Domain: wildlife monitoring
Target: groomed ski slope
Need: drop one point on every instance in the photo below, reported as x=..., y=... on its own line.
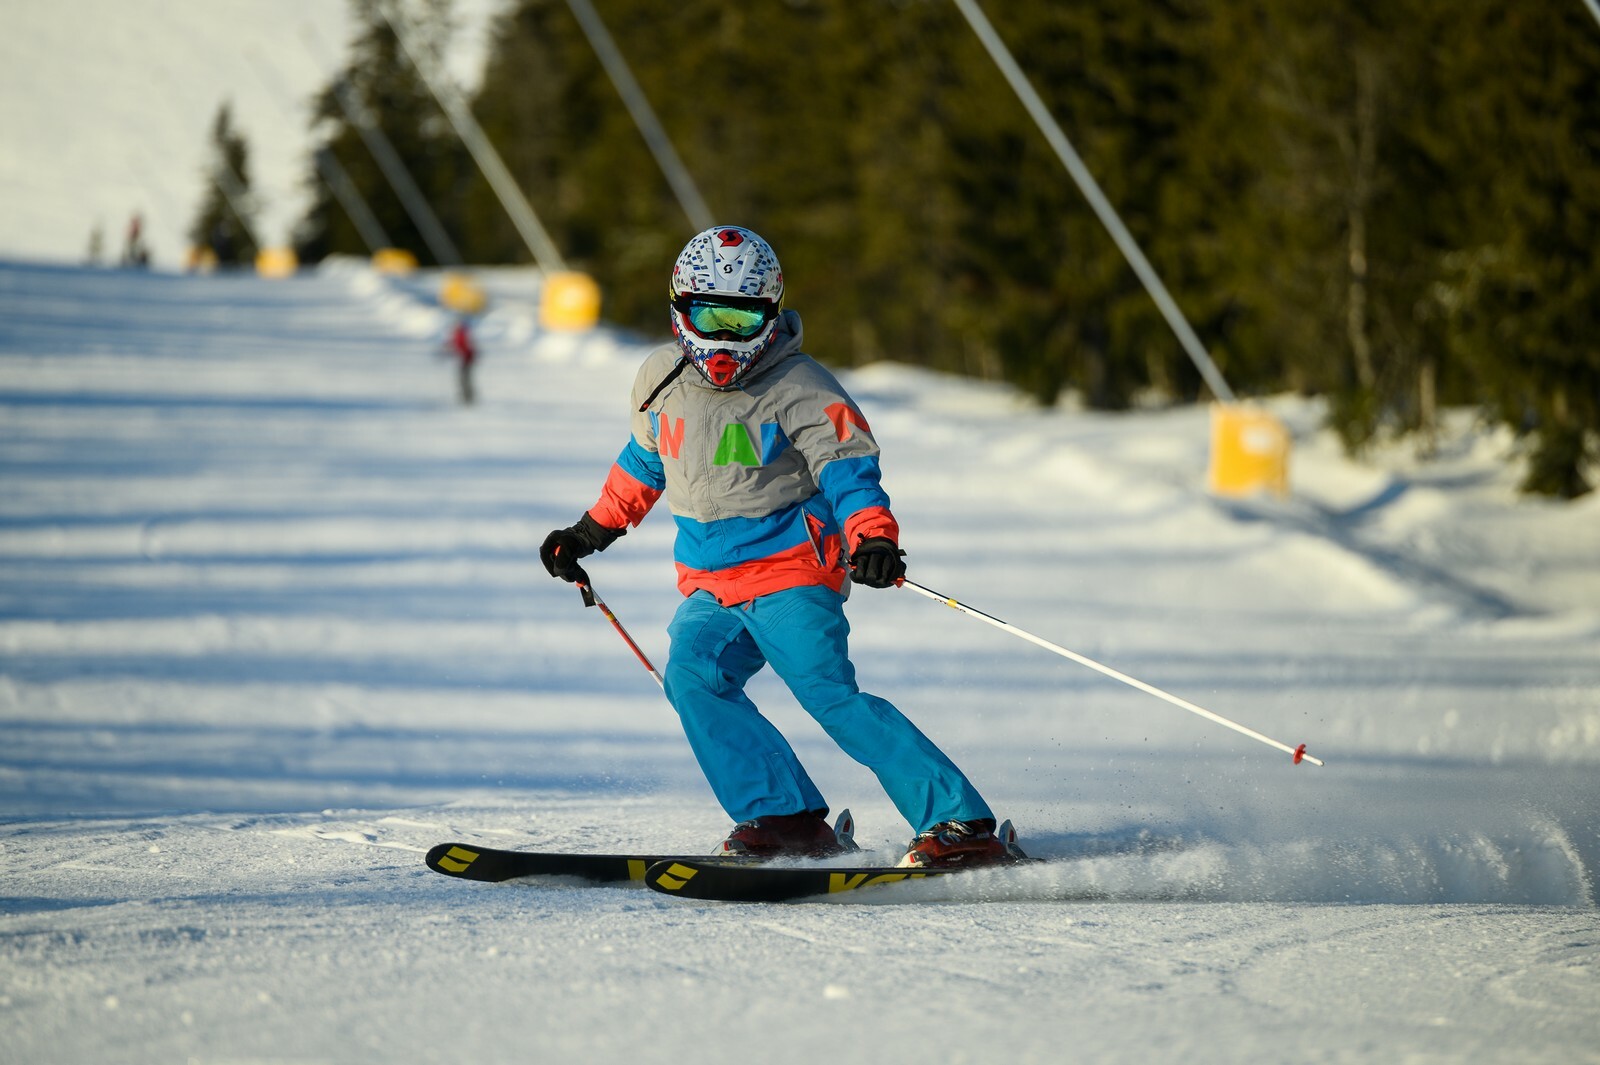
x=271, y=624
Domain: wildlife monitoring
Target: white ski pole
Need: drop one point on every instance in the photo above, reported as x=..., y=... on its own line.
x=1299, y=752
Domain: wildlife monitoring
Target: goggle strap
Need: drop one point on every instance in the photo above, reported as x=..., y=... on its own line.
x=683, y=364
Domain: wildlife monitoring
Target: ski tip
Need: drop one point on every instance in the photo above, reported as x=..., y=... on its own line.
x=452, y=859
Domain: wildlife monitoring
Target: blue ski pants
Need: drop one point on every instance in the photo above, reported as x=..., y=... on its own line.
x=751, y=768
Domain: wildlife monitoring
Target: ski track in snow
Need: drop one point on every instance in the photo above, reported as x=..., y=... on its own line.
x=272, y=624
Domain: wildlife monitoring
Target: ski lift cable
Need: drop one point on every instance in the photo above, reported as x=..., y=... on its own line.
x=1097, y=200
x=644, y=116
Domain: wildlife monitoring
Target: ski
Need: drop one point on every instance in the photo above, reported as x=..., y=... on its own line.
x=468, y=861
x=490, y=865
x=714, y=881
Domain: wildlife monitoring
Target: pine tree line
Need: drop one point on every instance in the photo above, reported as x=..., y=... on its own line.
x=1393, y=205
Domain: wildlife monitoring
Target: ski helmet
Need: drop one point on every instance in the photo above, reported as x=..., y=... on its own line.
x=727, y=292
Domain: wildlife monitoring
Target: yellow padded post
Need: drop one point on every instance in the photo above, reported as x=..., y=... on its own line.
x=1249, y=452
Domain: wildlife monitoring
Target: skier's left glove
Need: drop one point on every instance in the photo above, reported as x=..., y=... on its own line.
x=877, y=563
x=563, y=547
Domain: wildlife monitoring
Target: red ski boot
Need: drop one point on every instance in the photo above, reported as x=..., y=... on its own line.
x=951, y=844
x=802, y=835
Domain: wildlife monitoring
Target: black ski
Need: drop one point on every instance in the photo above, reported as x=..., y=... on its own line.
x=468, y=861
x=697, y=878
x=711, y=881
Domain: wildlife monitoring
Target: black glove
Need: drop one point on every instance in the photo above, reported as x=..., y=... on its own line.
x=876, y=563
x=562, y=548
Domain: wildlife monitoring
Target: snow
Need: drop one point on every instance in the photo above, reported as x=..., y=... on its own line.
x=272, y=624
x=106, y=108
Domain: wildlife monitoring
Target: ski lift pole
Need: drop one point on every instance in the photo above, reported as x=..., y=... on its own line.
x=1299, y=752
x=545, y=254
x=365, y=122
x=590, y=598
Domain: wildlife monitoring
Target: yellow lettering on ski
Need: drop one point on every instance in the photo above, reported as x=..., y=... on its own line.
x=852, y=881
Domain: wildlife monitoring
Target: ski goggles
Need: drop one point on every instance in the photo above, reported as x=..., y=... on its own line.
x=720, y=317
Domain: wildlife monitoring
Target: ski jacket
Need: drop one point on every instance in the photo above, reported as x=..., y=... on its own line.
x=461, y=344
x=771, y=483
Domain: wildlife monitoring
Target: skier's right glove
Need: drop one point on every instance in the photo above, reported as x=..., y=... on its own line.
x=877, y=563
x=562, y=549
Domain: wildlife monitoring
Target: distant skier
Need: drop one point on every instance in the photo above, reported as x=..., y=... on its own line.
x=772, y=475
x=465, y=353
x=134, y=251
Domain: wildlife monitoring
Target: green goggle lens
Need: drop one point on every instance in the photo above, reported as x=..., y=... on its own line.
x=712, y=318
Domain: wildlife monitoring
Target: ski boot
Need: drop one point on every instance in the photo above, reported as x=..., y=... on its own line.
x=963, y=844
x=802, y=835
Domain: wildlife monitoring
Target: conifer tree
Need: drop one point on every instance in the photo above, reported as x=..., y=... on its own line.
x=1521, y=293
x=226, y=219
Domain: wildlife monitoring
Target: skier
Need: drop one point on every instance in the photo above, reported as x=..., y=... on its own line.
x=465, y=353
x=772, y=476
x=134, y=251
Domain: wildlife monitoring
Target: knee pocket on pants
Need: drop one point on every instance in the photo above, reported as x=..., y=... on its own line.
x=712, y=659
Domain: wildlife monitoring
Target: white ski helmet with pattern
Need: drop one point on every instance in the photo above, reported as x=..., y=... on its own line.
x=727, y=293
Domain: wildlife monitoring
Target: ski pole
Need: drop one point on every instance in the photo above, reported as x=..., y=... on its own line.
x=1299, y=752
x=590, y=598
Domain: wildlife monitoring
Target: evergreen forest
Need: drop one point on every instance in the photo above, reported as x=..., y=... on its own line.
x=1393, y=205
